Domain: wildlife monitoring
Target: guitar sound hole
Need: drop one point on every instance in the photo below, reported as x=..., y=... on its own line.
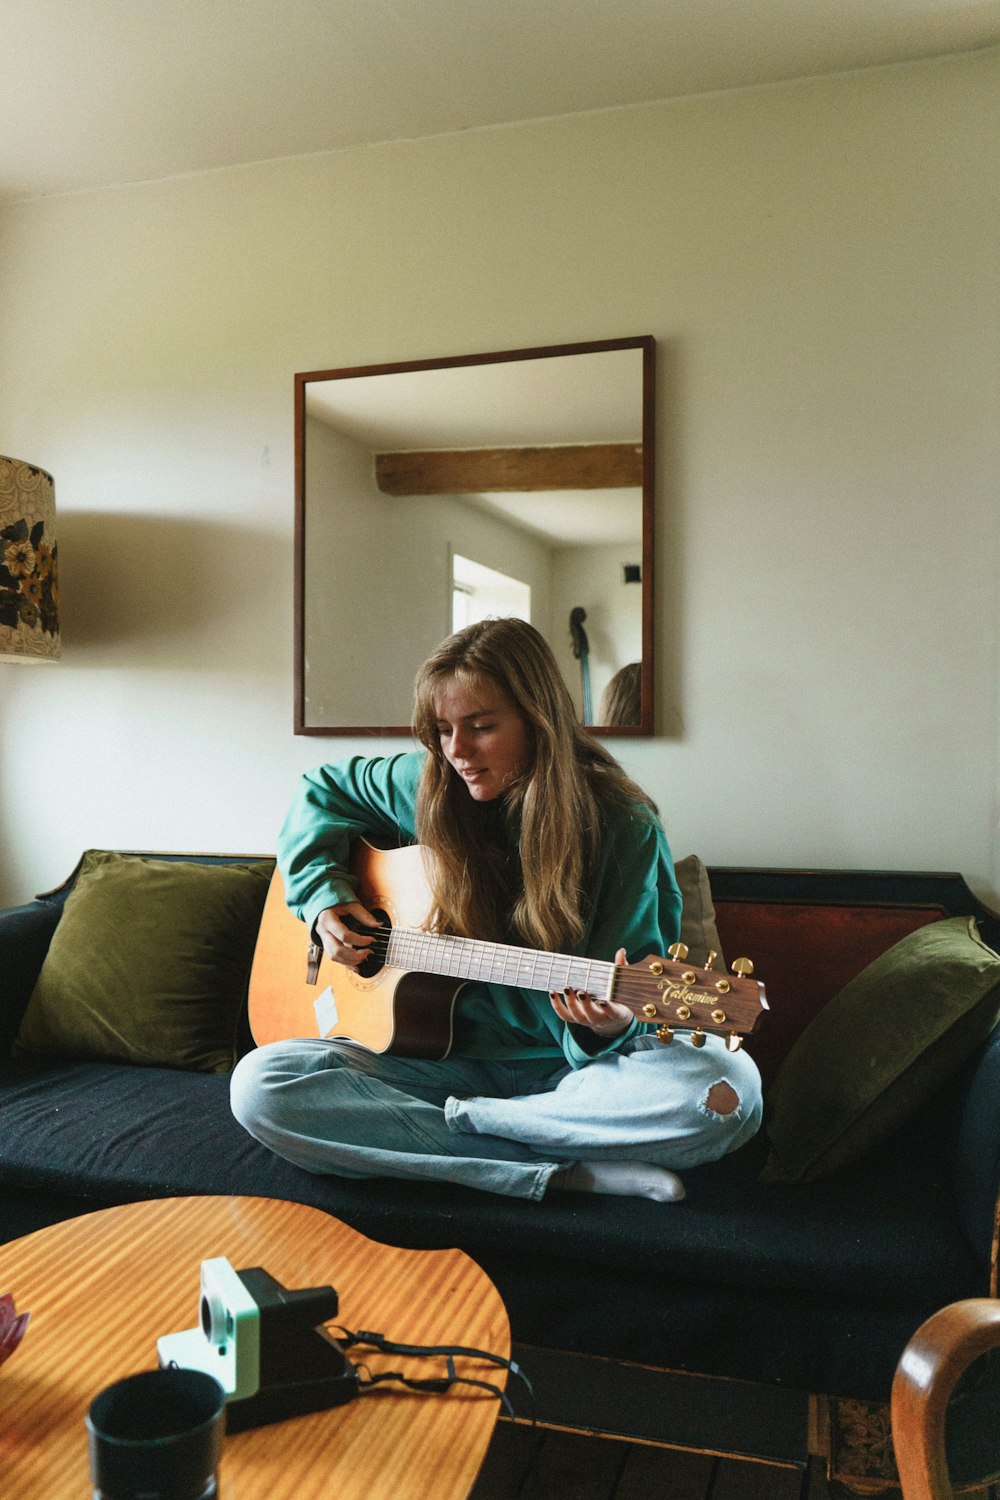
x=375, y=961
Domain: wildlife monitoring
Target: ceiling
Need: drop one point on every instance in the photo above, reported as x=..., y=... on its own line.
x=100, y=92
x=594, y=397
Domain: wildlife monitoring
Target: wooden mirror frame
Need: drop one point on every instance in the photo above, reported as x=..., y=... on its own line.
x=647, y=345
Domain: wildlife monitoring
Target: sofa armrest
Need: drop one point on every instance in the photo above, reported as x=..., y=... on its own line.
x=976, y=1149
x=25, y=934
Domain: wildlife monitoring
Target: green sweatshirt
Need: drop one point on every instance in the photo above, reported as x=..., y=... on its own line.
x=636, y=902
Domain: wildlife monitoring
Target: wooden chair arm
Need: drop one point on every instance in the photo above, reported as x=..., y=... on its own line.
x=938, y=1353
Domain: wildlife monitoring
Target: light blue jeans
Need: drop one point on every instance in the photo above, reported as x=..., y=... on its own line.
x=504, y=1127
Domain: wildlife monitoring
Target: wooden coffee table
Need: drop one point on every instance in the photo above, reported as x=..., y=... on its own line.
x=102, y=1288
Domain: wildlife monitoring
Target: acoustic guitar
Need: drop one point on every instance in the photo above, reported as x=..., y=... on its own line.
x=402, y=998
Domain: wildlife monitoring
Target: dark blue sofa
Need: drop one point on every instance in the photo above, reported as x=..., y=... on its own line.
x=800, y=1296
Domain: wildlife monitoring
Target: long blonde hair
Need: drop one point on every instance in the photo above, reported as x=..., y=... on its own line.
x=557, y=800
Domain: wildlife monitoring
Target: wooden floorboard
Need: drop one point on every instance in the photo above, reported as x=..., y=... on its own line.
x=508, y=1462
x=571, y=1464
x=657, y=1471
x=746, y=1481
x=525, y=1463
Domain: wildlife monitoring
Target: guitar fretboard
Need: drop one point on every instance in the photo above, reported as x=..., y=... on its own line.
x=496, y=963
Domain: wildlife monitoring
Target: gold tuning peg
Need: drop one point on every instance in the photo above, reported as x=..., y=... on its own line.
x=733, y=1042
x=710, y=960
x=664, y=1034
x=743, y=967
x=678, y=952
x=698, y=1038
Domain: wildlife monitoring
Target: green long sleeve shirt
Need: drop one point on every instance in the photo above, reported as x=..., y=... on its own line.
x=636, y=903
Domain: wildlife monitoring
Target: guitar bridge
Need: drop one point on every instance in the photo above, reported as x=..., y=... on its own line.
x=313, y=956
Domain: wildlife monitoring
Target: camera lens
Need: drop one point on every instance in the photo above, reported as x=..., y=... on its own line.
x=216, y=1321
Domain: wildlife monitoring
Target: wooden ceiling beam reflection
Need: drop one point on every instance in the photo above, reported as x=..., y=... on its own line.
x=470, y=471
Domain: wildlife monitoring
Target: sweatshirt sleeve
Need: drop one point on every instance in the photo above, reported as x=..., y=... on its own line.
x=637, y=907
x=334, y=805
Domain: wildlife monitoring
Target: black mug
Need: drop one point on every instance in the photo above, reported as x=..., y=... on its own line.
x=158, y=1435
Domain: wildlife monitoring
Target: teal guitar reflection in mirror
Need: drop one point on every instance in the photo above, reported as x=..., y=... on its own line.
x=436, y=492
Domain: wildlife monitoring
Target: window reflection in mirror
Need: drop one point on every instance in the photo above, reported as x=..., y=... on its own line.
x=517, y=482
x=481, y=593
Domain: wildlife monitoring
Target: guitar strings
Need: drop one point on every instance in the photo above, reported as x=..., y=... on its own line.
x=505, y=964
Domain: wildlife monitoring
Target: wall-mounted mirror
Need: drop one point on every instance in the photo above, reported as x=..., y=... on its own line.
x=437, y=492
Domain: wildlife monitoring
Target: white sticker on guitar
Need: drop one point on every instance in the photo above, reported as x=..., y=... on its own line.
x=325, y=1009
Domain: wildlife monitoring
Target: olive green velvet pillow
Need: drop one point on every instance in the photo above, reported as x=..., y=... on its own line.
x=149, y=963
x=698, y=928
x=880, y=1048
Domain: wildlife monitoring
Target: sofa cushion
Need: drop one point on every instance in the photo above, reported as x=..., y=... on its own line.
x=680, y=1284
x=155, y=1132
x=25, y=935
x=149, y=963
x=698, y=929
x=975, y=1146
x=880, y=1049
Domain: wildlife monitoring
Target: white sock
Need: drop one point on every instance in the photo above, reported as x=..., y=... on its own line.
x=626, y=1179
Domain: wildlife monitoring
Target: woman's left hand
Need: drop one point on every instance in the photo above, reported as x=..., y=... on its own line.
x=605, y=1017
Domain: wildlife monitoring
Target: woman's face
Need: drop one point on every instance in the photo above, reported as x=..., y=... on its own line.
x=482, y=735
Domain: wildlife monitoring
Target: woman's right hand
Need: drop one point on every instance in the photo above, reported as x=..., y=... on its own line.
x=340, y=942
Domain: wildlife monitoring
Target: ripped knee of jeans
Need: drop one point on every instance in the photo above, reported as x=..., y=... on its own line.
x=722, y=1098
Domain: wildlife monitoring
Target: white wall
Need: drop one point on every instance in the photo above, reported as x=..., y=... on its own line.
x=399, y=566
x=818, y=263
x=592, y=576
x=357, y=671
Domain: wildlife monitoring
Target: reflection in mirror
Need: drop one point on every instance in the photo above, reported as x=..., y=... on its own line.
x=436, y=493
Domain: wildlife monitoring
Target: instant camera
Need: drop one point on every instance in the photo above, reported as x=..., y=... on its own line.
x=265, y=1346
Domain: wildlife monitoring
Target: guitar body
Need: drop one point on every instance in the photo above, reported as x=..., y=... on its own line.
x=396, y=1011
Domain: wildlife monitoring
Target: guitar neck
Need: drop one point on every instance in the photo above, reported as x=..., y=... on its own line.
x=496, y=963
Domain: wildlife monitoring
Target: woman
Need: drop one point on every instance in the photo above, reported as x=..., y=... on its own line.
x=541, y=840
x=621, y=702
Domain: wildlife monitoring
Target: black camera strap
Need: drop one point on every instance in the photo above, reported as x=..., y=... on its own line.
x=435, y=1386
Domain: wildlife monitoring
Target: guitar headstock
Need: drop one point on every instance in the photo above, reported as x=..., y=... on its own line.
x=671, y=993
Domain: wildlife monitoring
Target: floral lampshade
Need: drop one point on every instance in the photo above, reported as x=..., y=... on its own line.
x=29, y=564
